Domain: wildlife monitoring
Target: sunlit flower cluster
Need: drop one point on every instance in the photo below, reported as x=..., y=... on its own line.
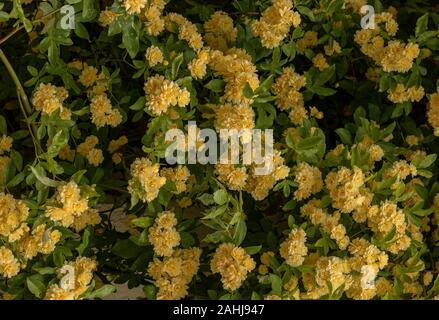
x=178, y=175
x=330, y=223
x=88, y=150
x=197, y=66
x=13, y=216
x=309, y=180
x=340, y=202
x=286, y=87
x=102, y=112
x=162, y=94
x=71, y=208
x=134, y=6
x=402, y=94
x=433, y=112
x=146, y=180
x=114, y=148
x=233, y=264
x=187, y=31
x=49, y=98
x=259, y=185
x=276, y=22
x=173, y=274
x=294, y=249
x=219, y=31
x=75, y=278
x=154, y=55
x=237, y=71
x=393, y=57
x=9, y=265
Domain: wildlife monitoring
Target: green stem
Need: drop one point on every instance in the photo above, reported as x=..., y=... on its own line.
x=31, y=127
x=17, y=82
x=11, y=34
x=106, y=186
x=22, y=99
x=18, y=28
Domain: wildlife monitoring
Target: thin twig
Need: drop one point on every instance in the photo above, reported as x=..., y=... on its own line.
x=31, y=128
x=22, y=99
x=18, y=28
x=120, y=60
x=106, y=186
x=11, y=34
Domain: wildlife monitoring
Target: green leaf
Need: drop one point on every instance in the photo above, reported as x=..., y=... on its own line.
x=291, y=221
x=81, y=31
x=139, y=104
x=89, y=10
x=175, y=65
x=385, y=81
x=164, y=197
x=266, y=115
x=102, y=292
x=435, y=286
x=421, y=25
x=216, y=85
x=324, y=92
x=85, y=242
x=17, y=159
x=17, y=179
x=126, y=249
x=253, y=250
x=150, y=291
x=187, y=240
x=306, y=12
x=213, y=295
x=41, y=132
x=77, y=176
x=265, y=85
x=143, y=222
x=99, y=174
x=276, y=284
x=428, y=161
x=130, y=40
x=3, y=125
x=308, y=143
x=19, y=134
x=423, y=212
x=216, y=237
x=43, y=179
x=153, y=127
x=44, y=270
x=389, y=236
x=325, y=76
x=248, y=91
x=58, y=141
x=35, y=285
x=425, y=173
x=290, y=205
x=240, y=232
x=415, y=78
x=4, y=16
x=398, y=110
x=60, y=254
x=33, y=71
x=220, y=197
x=206, y=199
x=53, y=53
x=345, y=136
x=215, y=212
x=115, y=27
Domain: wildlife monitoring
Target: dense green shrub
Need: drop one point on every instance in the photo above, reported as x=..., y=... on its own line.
x=89, y=90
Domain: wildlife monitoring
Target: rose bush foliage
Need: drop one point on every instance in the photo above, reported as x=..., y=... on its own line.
x=350, y=210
